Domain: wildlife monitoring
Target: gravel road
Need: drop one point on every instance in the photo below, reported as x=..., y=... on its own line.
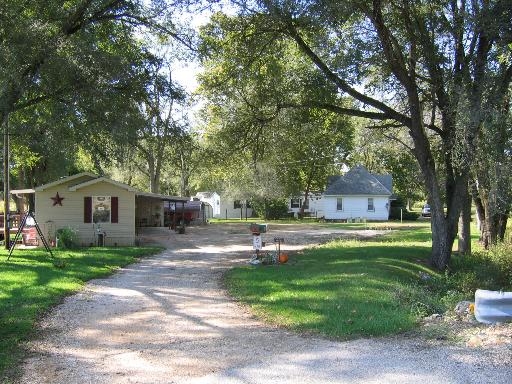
x=167, y=319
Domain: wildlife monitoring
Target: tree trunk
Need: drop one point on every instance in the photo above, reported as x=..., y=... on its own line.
x=492, y=223
x=480, y=210
x=489, y=230
x=502, y=226
x=308, y=190
x=464, y=245
x=184, y=176
x=151, y=173
x=442, y=241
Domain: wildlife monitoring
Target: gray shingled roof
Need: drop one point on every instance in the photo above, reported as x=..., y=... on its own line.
x=358, y=181
x=385, y=180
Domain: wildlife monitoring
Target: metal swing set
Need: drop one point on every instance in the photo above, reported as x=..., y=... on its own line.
x=29, y=216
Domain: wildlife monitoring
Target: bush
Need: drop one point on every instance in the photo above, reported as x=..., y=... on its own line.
x=68, y=238
x=420, y=301
x=270, y=209
x=484, y=269
x=490, y=270
x=394, y=214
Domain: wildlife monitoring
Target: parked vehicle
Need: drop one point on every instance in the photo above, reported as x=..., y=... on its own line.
x=425, y=211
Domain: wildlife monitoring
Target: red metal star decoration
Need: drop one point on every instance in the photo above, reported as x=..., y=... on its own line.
x=57, y=199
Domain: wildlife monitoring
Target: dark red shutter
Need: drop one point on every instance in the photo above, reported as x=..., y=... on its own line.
x=114, y=214
x=87, y=209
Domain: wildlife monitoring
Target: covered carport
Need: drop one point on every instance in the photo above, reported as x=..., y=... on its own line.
x=152, y=209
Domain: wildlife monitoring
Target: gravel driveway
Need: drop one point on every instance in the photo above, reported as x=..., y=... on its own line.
x=167, y=319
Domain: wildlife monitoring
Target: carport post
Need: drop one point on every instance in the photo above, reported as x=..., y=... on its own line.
x=173, y=216
x=183, y=215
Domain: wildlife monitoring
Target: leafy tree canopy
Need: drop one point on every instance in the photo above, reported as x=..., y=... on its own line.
x=256, y=103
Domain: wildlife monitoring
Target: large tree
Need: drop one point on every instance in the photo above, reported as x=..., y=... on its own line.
x=255, y=107
x=162, y=125
x=492, y=173
x=82, y=78
x=420, y=65
x=389, y=151
x=78, y=63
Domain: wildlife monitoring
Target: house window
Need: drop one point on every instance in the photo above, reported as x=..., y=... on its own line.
x=101, y=208
x=371, y=207
x=295, y=203
x=237, y=204
x=339, y=204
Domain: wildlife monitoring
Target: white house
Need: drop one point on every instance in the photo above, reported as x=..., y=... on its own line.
x=235, y=209
x=313, y=207
x=357, y=194
x=224, y=208
x=212, y=203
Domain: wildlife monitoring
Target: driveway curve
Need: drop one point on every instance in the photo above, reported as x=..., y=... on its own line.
x=167, y=319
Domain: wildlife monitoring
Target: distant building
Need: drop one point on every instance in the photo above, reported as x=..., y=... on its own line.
x=224, y=208
x=212, y=203
x=358, y=194
x=313, y=207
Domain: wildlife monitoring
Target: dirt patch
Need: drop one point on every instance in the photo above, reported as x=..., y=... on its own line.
x=168, y=320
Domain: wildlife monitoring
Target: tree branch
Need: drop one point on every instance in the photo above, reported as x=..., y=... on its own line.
x=341, y=84
x=339, y=110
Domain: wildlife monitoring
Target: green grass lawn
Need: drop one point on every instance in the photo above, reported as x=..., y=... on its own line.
x=31, y=282
x=343, y=289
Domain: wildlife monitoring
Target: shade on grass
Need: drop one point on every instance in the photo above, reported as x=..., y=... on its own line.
x=30, y=283
x=342, y=289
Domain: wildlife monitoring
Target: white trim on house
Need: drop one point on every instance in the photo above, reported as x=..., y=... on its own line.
x=21, y=191
x=66, y=179
x=99, y=180
x=314, y=207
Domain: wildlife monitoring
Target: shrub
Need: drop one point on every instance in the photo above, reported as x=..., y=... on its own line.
x=501, y=257
x=395, y=214
x=490, y=270
x=68, y=238
x=271, y=209
x=420, y=301
x=484, y=269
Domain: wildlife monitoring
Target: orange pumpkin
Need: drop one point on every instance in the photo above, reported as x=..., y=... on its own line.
x=283, y=258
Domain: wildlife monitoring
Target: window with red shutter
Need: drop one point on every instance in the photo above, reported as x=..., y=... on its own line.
x=87, y=209
x=114, y=214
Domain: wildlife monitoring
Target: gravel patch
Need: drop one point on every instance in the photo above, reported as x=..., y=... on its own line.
x=167, y=319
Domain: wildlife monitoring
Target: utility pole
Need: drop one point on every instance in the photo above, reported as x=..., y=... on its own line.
x=7, y=221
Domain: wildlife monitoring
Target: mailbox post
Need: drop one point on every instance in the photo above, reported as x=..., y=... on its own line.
x=257, y=230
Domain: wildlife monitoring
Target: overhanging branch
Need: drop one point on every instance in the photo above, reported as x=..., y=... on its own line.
x=339, y=110
x=341, y=84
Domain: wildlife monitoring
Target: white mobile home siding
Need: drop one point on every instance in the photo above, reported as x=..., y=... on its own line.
x=356, y=207
x=71, y=214
x=227, y=210
x=315, y=203
x=212, y=201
